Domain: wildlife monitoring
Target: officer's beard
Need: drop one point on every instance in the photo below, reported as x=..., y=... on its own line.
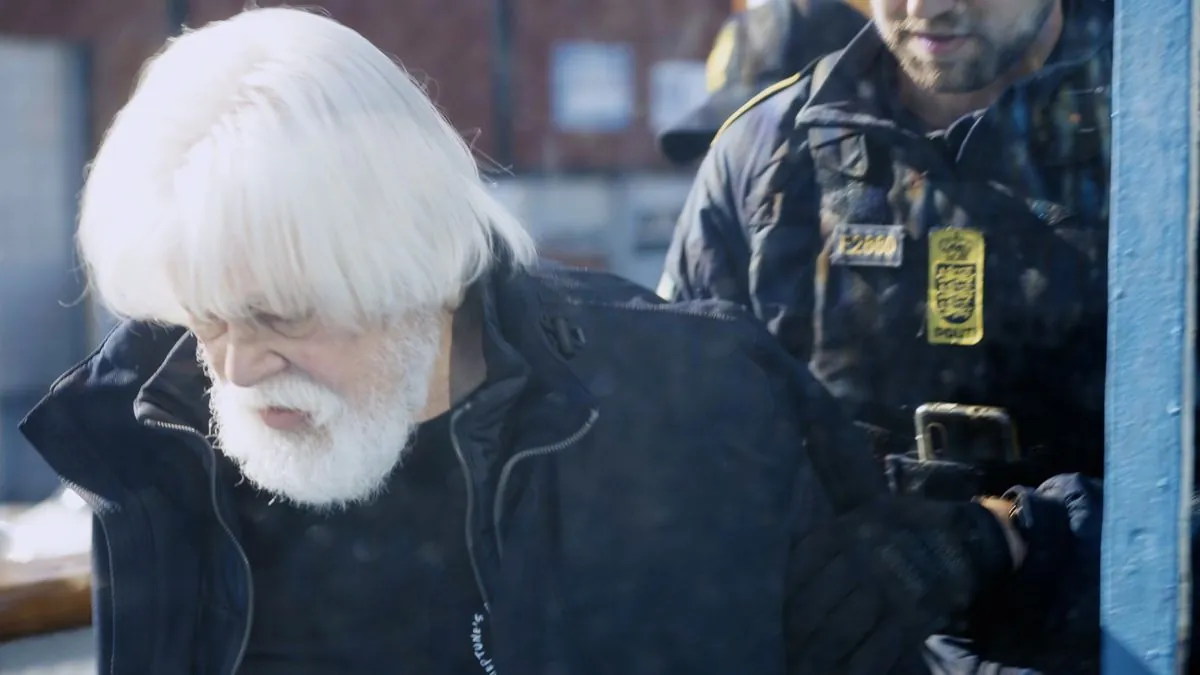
x=350, y=447
x=994, y=54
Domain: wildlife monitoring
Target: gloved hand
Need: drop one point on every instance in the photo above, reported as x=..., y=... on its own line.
x=908, y=475
x=946, y=655
x=1047, y=616
x=956, y=481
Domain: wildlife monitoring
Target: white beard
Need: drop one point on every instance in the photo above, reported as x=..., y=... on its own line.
x=351, y=447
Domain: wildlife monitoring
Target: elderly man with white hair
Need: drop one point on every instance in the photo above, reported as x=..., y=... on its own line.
x=349, y=425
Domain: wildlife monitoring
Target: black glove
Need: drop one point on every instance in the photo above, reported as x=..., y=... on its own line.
x=867, y=588
x=955, y=481
x=936, y=557
x=952, y=481
x=1047, y=616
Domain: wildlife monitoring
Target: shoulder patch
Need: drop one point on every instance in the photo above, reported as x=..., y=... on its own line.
x=863, y=6
x=717, y=65
x=757, y=99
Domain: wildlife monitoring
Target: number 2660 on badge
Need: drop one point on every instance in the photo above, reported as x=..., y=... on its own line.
x=867, y=245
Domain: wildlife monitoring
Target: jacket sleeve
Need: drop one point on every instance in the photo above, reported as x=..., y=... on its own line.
x=869, y=575
x=710, y=254
x=708, y=258
x=840, y=616
x=750, y=230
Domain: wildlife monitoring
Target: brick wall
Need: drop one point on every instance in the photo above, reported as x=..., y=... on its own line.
x=446, y=43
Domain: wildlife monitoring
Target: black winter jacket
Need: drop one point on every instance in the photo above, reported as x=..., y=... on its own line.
x=645, y=496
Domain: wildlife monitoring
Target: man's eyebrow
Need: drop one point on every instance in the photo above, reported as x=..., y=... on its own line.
x=262, y=313
x=256, y=307
x=268, y=316
x=205, y=317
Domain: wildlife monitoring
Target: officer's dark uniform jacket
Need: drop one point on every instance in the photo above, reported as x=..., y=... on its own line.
x=641, y=499
x=833, y=151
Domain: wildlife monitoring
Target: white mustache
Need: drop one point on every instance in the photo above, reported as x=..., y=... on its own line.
x=289, y=391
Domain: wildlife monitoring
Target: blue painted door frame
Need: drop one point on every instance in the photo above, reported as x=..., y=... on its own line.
x=1145, y=581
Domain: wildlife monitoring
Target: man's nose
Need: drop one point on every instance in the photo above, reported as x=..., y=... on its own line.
x=928, y=9
x=250, y=360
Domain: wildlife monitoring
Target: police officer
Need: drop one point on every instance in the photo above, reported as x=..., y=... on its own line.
x=768, y=41
x=922, y=217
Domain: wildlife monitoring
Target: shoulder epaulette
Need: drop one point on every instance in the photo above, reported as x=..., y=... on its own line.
x=759, y=98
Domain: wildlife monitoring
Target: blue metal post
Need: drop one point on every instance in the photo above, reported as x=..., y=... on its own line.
x=1145, y=578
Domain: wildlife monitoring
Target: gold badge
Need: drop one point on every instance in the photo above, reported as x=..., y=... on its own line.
x=955, y=304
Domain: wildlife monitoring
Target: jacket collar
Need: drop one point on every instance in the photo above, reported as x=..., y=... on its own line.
x=84, y=428
x=525, y=341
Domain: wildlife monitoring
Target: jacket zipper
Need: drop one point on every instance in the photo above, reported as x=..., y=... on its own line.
x=468, y=529
x=541, y=451
x=506, y=471
x=241, y=653
x=93, y=501
x=90, y=498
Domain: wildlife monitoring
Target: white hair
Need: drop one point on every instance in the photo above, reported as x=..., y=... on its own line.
x=280, y=156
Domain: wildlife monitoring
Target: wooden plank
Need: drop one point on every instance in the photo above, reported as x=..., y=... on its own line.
x=1145, y=592
x=43, y=596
